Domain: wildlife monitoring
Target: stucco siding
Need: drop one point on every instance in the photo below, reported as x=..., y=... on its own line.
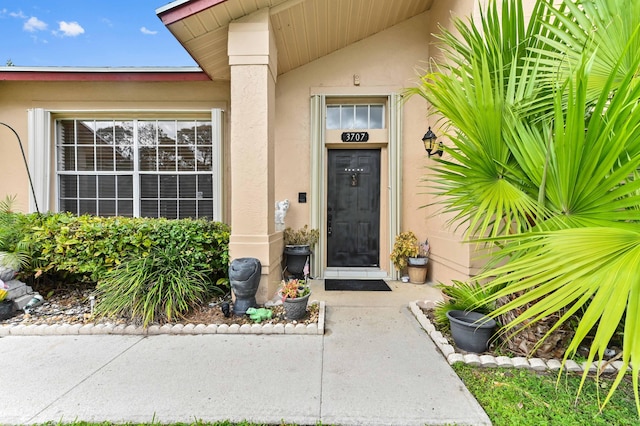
x=384, y=63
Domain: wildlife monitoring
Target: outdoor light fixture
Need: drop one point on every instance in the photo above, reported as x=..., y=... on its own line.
x=430, y=144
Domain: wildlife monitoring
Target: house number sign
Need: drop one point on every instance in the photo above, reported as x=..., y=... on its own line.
x=355, y=136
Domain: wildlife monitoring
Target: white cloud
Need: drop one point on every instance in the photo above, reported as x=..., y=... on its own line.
x=15, y=14
x=145, y=30
x=70, y=29
x=33, y=24
x=38, y=40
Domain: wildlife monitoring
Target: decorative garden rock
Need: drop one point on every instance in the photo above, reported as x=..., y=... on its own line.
x=244, y=276
x=7, y=274
x=7, y=309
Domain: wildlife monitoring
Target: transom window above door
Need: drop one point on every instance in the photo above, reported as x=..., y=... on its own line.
x=355, y=116
x=149, y=168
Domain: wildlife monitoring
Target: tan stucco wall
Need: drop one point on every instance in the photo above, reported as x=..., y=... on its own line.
x=385, y=63
x=253, y=58
x=16, y=98
x=13, y=177
x=458, y=259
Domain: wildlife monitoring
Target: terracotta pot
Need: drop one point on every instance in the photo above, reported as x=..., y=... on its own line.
x=417, y=274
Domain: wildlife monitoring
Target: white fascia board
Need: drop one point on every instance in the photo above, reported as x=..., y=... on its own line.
x=100, y=69
x=170, y=6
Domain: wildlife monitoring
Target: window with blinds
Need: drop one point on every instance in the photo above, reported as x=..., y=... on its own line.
x=149, y=168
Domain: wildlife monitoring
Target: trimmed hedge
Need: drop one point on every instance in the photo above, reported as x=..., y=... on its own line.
x=89, y=246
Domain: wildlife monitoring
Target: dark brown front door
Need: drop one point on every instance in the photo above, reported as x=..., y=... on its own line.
x=353, y=208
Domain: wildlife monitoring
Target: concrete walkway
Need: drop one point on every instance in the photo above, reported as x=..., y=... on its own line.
x=373, y=366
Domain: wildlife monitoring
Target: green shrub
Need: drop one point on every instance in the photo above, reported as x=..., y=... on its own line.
x=88, y=247
x=158, y=287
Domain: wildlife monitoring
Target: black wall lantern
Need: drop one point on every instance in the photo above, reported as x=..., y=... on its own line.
x=430, y=144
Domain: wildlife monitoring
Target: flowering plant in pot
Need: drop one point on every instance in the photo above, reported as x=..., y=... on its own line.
x=407, y=248
x=295, y=296
x=422, y=257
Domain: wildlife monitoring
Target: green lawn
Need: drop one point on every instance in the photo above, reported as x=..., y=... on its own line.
x=524, y=397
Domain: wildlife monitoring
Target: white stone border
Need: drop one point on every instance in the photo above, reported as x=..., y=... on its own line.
x=536, y=364
x=182, y=329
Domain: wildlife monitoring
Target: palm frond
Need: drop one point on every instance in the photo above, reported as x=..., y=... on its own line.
x=592, y=269
x=544, y=159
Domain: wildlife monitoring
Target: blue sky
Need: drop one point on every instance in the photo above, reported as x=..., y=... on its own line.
x=87, y=33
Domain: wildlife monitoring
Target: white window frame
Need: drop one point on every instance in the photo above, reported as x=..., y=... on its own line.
x=318, y=138
x=42, y=151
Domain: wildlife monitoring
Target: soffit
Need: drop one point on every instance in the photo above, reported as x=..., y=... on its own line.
x=304, y=30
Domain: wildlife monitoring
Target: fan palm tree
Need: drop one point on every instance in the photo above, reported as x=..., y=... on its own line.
x=544, y=127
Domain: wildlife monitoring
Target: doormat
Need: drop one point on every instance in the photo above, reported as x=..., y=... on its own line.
x=356, y=285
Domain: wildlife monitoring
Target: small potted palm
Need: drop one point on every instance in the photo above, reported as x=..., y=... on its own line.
x=295, y=296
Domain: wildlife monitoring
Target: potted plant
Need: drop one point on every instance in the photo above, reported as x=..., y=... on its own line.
x=295, y=296
x=408, y=253
x=298, y=244
x=471, y=331
x=422, y=256
x=464, y=313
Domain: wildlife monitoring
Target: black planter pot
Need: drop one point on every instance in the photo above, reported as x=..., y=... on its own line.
x=471, y=331
x=296, y=258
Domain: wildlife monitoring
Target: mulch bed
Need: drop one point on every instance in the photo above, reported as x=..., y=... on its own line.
x=73, y=305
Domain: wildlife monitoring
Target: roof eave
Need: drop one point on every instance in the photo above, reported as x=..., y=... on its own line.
x=102, y=74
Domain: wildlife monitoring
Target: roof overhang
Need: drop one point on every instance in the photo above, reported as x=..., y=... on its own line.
x=304, y=30
x=101, y=74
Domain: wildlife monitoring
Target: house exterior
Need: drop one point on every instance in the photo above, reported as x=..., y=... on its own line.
x=293, y=99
